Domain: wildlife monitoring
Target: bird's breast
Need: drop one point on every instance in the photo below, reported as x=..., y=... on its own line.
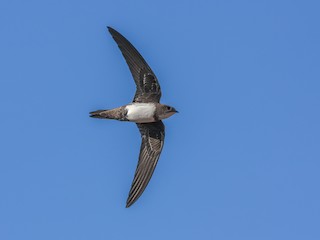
x=141, y=112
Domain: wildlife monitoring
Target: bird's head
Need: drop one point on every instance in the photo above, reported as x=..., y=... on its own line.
x=166, y=111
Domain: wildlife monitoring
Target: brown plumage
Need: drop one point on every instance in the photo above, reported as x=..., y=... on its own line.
x=116, y=113
x=145, y=110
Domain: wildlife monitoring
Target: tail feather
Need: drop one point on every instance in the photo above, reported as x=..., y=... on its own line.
x=116, y=113
x=97, y=114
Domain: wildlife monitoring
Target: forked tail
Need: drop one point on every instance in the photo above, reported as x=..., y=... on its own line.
x=116, y=113
x=98, y=114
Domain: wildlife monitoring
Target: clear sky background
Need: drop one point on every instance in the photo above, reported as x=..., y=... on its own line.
x=241, y=160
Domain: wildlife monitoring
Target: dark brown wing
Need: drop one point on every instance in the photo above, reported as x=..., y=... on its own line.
x=148, y=88
x=152, y=135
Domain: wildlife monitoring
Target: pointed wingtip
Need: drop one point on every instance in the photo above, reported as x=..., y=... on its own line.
x=129, y=203
x=110, y=29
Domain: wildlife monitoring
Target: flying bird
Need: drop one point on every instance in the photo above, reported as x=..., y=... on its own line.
x=145, y=110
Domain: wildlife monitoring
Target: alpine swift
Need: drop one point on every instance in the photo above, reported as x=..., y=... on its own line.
x=145, y=110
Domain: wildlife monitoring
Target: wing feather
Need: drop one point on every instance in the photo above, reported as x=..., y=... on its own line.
x=148, y=88
x=152, y=135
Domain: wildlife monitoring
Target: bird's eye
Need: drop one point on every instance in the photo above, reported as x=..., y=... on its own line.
x=168, y=108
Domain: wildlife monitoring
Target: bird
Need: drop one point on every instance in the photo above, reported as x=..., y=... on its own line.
x=145, y=110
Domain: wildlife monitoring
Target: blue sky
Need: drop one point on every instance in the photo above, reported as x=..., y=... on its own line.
x=241, y=160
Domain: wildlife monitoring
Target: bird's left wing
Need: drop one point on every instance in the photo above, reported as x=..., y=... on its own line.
x=148, y=88
x=152, y=135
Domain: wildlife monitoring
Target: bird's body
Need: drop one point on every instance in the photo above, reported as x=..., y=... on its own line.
x=145, y=111
x=141, y=112
x=136, y=112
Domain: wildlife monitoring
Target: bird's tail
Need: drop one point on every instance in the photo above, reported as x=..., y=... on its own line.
x=99, y=114
x=116, y=113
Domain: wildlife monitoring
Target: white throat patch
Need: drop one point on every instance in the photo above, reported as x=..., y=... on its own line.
x=141, y=112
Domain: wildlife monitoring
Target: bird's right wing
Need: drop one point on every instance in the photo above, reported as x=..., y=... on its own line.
x=152, y=135
x=148, y=88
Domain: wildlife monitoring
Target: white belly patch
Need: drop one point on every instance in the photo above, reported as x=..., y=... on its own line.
x=141, y=112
